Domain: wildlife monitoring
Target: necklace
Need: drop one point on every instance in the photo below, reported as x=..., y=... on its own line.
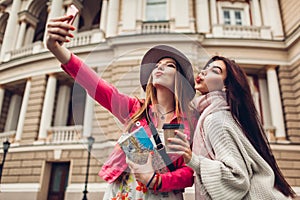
x=162, y=117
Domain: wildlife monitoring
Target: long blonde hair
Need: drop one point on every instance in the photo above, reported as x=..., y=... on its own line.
x=181, y=104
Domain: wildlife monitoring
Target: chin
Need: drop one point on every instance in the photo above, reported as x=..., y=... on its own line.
x=201, y=90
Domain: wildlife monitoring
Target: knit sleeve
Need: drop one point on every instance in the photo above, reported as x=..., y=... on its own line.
x=225, y=177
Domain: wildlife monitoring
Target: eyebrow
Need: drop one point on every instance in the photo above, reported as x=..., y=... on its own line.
x=171, y=62
x=217, y=67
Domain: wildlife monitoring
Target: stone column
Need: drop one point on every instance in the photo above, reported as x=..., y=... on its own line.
x=21, y=35
x=139, y=15
x=29, y=35
x=182, y=19
x=213, y=12
x=13, y=113
x=2, y=93
x=275, y=103
x=10, y=31
x=47, y=110
x=129, y=11
x=264, y=96
x=265, y=105
x=25, y=18
x=88, y=116
x=255, y=10
x=23, y=111
x=62, y=106
x=103, y=18
x=56, y=10
x=271, y=17
x=202, y=13
x=112, y=18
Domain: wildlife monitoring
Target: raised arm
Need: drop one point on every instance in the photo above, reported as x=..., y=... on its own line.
x=120, y=105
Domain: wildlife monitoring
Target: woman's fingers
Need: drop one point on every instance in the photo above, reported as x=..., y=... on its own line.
x=181, y=135
x=61, y=19
x=59, y=31
x=181, y=149
x=58, y=38
x=60, y=25
x=179, y=141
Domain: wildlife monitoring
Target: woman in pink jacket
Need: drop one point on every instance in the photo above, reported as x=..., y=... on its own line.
x=166, y=76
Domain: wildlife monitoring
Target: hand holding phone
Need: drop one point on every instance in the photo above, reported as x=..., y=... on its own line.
x=72, y=10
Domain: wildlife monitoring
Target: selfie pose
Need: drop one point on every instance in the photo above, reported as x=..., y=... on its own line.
x=166, y=75
x=230, y=152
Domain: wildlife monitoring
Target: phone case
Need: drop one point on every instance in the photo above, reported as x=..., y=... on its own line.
x=72, y=10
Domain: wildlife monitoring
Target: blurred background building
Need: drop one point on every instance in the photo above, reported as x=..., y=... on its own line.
x=47, y=117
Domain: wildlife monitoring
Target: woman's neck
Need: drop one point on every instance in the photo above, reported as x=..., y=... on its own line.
x=165, y=99
x=165, y=108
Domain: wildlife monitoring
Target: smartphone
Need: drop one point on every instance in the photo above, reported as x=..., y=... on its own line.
x=72, y=10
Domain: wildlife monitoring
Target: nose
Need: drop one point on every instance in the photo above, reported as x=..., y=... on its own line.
x=161, y=67
x=203, y=73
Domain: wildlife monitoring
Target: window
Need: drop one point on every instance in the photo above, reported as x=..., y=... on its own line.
x=234, y=13
x=156, y=10
x=89, y=17
x=58, y=180
x=233, y=17
x=226, y=17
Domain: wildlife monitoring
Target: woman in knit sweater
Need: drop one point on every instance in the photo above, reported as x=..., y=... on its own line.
x=231, y=156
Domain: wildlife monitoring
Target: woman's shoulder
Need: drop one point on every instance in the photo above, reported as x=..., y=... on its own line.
x=221, y=121
x=219, y=117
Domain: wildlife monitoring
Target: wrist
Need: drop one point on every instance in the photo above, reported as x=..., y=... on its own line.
x=157, y=183
x=150, y=181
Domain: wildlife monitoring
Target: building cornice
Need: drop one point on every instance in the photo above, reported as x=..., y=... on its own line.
x=15, y=147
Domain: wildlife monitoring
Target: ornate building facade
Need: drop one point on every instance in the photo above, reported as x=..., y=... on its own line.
x=48, y=118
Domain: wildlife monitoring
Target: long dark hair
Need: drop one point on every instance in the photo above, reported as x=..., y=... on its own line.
x=243, y=110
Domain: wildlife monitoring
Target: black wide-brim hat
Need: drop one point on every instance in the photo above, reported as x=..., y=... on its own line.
x=155, y=54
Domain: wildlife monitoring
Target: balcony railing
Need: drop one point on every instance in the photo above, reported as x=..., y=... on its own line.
x=27, y=50
x=155, y=27
x=64, y=134
x=251, y=32
x=80, y=39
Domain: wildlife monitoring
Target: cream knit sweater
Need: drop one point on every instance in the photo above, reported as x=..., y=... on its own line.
x=238, y=171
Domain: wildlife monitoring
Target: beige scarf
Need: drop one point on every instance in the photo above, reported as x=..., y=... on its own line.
x=207, y=104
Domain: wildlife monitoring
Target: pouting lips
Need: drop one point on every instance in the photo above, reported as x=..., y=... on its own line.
x=198, y=79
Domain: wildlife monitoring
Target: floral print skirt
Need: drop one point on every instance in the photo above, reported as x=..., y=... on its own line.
x=127, y=188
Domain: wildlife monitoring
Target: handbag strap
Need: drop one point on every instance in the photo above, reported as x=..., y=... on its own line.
x=159, y=146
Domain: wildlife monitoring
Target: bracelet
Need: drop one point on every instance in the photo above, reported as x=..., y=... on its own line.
x=151, y=179
x=155, y=187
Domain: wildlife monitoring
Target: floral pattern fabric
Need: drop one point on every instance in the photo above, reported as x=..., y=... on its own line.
x=130, y=189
